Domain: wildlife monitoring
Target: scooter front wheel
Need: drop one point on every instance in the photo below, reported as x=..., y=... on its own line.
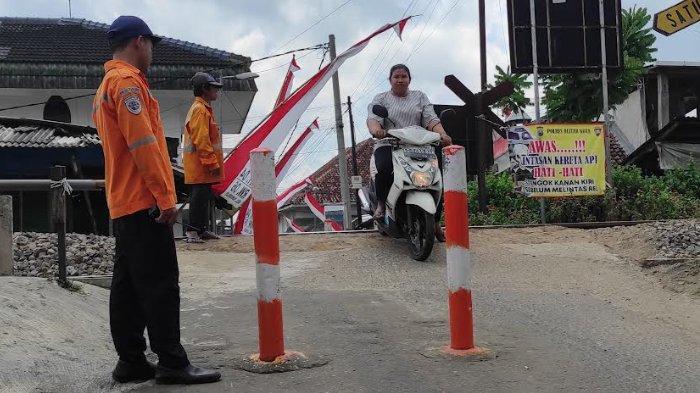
x=421, y=233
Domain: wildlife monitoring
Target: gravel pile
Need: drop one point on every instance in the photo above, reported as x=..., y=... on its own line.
x=677, y=239
x=36, y=254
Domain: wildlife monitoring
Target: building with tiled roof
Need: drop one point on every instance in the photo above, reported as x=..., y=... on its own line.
x=326, y=188
x=63, y=58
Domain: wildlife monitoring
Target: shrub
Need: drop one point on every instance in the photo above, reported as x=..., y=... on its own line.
x=676, y=194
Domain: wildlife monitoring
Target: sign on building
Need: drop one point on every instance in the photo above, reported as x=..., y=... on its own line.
x=557, y=160
x=677, y=17
x=356, y=182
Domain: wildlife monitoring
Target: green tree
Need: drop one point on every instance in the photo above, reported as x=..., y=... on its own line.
x=517, y=101
x=579, y=97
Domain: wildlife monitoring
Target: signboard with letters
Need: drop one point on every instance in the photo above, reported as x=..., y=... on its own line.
x=557, y=160
x=677, y=17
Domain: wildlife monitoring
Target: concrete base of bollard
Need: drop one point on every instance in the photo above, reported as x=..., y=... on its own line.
x=290, y=361
x=476, y=354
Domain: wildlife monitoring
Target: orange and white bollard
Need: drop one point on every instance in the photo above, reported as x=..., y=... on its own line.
x=272, y=357
x=459, y=265
x=267, y=252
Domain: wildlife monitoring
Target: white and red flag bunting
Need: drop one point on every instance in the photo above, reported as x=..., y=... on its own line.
x=271, y=132
x=243, y=220
x=315, y=206
x=398, y=27
x=286, y=89
x=295, y=228
x=320, y=211
x=336, y=227
x=285, y=162
x=244, y=217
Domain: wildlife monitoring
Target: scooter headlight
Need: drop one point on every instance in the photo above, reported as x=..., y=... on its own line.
x=421, y=179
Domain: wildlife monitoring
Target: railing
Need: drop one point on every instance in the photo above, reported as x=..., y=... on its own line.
x=59, y=186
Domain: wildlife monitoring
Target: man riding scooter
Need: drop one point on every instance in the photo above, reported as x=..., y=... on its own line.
x=405, y=108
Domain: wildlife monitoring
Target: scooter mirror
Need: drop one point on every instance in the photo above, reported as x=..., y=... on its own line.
x=380, y=111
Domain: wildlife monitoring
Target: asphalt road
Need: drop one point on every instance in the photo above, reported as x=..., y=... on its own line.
x=560, y=311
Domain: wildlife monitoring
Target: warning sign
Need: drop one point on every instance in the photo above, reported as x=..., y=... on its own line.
x=555, y=160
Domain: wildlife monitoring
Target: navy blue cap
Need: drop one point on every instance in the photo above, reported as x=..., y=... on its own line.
x=202, y=79
x=126, y=26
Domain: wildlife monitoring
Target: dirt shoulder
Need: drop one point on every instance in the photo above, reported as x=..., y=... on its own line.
x=667, y=252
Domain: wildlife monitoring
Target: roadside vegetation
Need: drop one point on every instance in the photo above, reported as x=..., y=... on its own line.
x=673, y=195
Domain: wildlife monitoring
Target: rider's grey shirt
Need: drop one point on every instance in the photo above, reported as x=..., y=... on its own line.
x=412, y=110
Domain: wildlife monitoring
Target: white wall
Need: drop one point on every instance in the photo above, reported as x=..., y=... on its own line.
x=630, y=117
x=174, y=105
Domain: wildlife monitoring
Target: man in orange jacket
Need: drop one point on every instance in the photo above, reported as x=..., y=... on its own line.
x=141, y=197
x=203, y=155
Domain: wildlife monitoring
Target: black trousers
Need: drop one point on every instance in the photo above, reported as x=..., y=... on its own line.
x=385, y=174
x=201, y=196
x=145, y=291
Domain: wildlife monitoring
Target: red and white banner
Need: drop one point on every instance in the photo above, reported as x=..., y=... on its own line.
x=295, y=228
x=285, y=162
x=286, y=89
x=335, y=227
x=315, y=206
x=244, y=216
x=320, y=212
x=270, y=133
x=289, y=193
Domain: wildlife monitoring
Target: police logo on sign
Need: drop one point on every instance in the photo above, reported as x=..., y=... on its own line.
x=133, y=105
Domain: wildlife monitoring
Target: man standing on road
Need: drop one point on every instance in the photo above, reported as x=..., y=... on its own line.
x=203, y=155
x=141, y=197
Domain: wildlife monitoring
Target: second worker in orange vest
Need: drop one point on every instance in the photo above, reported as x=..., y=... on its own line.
x=203, y=155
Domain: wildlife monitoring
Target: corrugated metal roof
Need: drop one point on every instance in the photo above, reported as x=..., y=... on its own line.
x=46, y=135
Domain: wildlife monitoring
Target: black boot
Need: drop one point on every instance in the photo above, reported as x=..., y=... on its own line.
x=189, y=375
x=134, y=372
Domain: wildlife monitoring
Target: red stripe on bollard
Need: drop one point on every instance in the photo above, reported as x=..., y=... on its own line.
x=270, y=330
x=461, y=323
x=456, y=219
x=266, y=250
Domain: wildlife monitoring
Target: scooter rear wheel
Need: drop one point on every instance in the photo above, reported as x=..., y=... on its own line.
x=421, y=233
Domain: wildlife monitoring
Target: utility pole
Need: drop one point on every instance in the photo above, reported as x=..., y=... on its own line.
x=481, y=139
x=536, y=84
x=354, y=161
x=604, y=71
x=342, y=159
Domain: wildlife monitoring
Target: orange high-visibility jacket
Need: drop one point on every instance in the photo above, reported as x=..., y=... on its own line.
x=203, y=153
x=138, y=174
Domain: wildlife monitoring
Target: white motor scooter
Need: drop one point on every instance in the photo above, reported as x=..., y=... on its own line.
x=415, y=192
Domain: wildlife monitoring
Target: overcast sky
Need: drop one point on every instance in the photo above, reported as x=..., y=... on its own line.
x=442, y=40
